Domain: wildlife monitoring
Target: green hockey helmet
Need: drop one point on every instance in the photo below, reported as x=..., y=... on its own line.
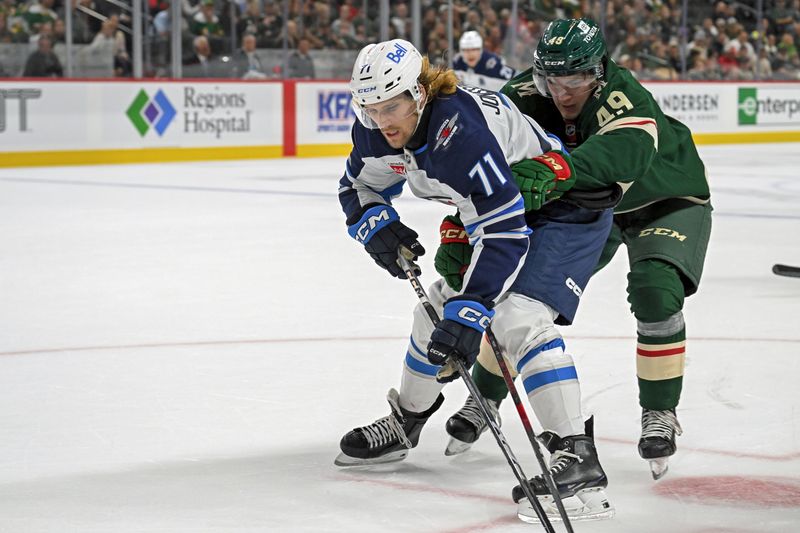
x=569, y=47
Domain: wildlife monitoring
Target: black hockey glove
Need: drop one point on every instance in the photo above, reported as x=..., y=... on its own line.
x=459, y=334
x=596, y=199
x=379, y=229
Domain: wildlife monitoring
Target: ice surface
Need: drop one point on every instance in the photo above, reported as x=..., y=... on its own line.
x=182, y=346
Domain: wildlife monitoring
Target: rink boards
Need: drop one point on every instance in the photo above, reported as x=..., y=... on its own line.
x=125, y=121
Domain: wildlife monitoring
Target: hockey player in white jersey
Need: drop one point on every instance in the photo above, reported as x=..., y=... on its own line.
x=475, y=66
x=455, y=145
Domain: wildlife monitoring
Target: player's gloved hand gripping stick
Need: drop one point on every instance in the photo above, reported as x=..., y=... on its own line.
x=378, y=227
x=408, y=269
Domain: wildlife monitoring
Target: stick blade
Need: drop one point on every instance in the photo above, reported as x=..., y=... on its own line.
x=786, y=270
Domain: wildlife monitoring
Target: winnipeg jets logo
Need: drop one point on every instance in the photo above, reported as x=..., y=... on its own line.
x=399, y=168
x=446, y=132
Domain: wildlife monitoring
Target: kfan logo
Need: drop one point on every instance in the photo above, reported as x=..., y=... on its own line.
x=334, y=112
x=145, y=113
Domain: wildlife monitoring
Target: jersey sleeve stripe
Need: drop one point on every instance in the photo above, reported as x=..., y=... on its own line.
x=522, y=233
x=511, y=209
x=393, y=192
x=648, y=125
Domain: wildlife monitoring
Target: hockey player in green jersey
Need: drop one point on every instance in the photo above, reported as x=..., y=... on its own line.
x=617, y=134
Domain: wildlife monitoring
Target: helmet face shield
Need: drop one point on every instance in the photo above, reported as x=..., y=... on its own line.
x=554, y=85
x=391, y=112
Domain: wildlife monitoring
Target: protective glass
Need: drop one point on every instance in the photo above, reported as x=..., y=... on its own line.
x=377, y=116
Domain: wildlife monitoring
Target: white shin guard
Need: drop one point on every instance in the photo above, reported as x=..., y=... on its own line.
x=524, y=328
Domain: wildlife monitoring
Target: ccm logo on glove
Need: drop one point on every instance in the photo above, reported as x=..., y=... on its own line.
x=475, y=316
x=556, y=162
x=371, y=222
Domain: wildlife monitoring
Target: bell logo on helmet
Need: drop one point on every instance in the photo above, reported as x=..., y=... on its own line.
x=397, y=55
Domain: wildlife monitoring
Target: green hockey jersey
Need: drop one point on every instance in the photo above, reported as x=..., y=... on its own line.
x=622, y=136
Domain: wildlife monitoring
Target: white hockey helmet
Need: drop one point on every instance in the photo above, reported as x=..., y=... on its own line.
x=470, y=40
x=383, y=71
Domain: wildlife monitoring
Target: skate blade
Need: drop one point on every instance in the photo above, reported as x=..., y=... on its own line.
x=345, y=460
x=455, y=447
x=659, y=467
x=586, y=505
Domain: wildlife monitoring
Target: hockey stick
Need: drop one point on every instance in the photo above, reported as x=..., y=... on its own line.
x=473, y=390
x=786, y=270
x=523, y=415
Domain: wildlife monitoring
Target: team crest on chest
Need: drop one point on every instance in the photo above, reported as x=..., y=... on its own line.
x=399, y=168
x=446, y=132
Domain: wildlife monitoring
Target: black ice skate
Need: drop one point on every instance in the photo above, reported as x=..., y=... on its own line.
x=658, y=439
x=467, y=424
x=386, y=440
x=578, y=476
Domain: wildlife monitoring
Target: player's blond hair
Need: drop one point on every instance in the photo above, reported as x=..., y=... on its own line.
x=437, y=79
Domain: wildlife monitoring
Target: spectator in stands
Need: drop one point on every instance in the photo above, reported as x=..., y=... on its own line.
x=252, y=20
x=111, y=37
x=345, y=14
x=272, y=34
x=742, y=42
x=630, y=47
x=782, y=16
x=345, y=39
x=788, y=46
x=729, y=64
x=43, y=63
x=301, y=65
x=206, y=22
x=246, y=62
x=44, y=29
x=763, y=65
x=709, y=28
x=201, y=64
x=699, y=44
x=83, y=25
x=400, y=20
x=39, y=13
x=5, y=28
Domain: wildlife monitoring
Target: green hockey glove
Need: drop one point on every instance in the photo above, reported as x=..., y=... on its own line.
x=454, y=253
x=544, y=178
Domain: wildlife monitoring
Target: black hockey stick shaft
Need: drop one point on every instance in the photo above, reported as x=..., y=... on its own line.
x=473, y=390
x=526, y=422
